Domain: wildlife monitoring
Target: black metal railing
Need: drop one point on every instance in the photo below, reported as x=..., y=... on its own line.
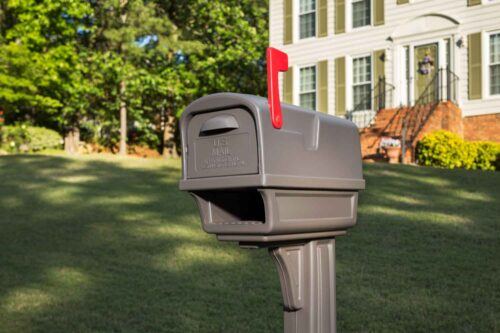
x=442, y=87
x=451, y=84
x=379, y=98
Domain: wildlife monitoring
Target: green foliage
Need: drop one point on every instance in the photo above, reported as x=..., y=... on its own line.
x=447, y=150
x=488, y=156
x=42, y=138
x=22, y=138
x=234, y=34
x=62, y=62
x=39, y=70
x=14, y=139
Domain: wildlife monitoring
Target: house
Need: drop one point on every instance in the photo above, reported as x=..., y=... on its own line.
x=397, y=68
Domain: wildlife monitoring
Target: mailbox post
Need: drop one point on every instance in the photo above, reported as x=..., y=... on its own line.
x=307, y=277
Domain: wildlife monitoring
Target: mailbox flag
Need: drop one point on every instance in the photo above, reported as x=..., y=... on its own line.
x=277, y=61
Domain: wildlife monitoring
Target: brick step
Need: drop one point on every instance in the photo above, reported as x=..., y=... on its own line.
x=389, y=122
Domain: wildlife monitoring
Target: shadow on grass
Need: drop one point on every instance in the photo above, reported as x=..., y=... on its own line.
x=97, y=245
x=90, y=245
x=425, y=256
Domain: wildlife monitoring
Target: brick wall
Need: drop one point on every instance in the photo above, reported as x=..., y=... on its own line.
x=482, y=128
x=447, y=116
x=389, y=122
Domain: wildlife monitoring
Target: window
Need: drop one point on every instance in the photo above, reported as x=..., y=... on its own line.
x=308, y=87
x=361, y=13
x=494, y=64
x=307, y=18
x=362, y=83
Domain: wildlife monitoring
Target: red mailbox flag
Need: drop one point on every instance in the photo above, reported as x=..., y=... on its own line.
x=277, y=61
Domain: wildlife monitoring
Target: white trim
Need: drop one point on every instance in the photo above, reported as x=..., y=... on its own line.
x=295, y=21
x=348, y=83
x=441, y=54
x=399, y=66
x=348, y=16
x=295, y=85
x=485, y=60
x=411, y=73
x=439, y=26
x=456, y=55
x=399, y=74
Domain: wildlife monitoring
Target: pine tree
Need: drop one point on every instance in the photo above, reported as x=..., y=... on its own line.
x=131, y=31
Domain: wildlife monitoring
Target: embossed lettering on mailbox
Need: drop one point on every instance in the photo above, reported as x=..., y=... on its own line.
x=222, y=152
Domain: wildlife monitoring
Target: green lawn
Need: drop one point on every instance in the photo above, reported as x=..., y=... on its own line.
x=103, y=244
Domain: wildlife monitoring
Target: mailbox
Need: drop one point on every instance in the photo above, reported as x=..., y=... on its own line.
x=255, y=183
x=290, y=184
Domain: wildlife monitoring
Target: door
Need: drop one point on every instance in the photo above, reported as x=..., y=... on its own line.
x=425, y=68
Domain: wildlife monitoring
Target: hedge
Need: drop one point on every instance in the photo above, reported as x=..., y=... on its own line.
x=447, y=150
x=23, y=139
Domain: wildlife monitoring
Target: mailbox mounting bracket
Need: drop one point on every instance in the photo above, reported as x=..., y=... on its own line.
x=307, y=277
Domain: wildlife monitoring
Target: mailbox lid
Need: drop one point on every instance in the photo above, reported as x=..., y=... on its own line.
x=222, y=143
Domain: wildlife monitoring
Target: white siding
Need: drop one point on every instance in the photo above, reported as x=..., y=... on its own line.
x=367, y=39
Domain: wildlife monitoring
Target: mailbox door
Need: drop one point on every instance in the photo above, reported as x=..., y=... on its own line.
x=221, y=143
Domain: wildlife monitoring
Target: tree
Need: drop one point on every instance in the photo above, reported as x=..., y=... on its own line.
x=39, y=60
x=234, y=35
x=116, y=69
x=131, y=31
x=168, y=86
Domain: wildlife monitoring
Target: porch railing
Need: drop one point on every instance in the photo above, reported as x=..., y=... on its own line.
x=442, y=87
x=379, y=98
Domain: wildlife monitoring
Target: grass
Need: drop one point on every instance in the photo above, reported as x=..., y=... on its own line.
x=105, y=244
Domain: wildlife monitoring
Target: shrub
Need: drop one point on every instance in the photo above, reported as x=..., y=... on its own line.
x=447, y=150
x=42, y=138
x=488, y=156
x=15, y=138
x=22, y=139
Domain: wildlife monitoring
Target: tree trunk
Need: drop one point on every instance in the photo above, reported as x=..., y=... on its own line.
x=123, y=119
x=72, y=141
x=123, y=87
x=169, y=144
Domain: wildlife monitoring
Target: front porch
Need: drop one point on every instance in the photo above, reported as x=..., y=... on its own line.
x=420, y=93
x=436, y=108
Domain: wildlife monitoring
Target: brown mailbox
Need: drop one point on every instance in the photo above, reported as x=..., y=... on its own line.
x=254, y=183
x=290, y=189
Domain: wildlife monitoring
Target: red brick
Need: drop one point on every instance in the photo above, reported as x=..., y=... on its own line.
x=445, y=115
x=482, y=128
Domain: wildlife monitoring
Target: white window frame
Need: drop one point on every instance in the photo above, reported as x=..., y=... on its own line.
x=296, y=22
x=485, y=49
x=350, y=75
x=297, y=92
x=349, y=14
